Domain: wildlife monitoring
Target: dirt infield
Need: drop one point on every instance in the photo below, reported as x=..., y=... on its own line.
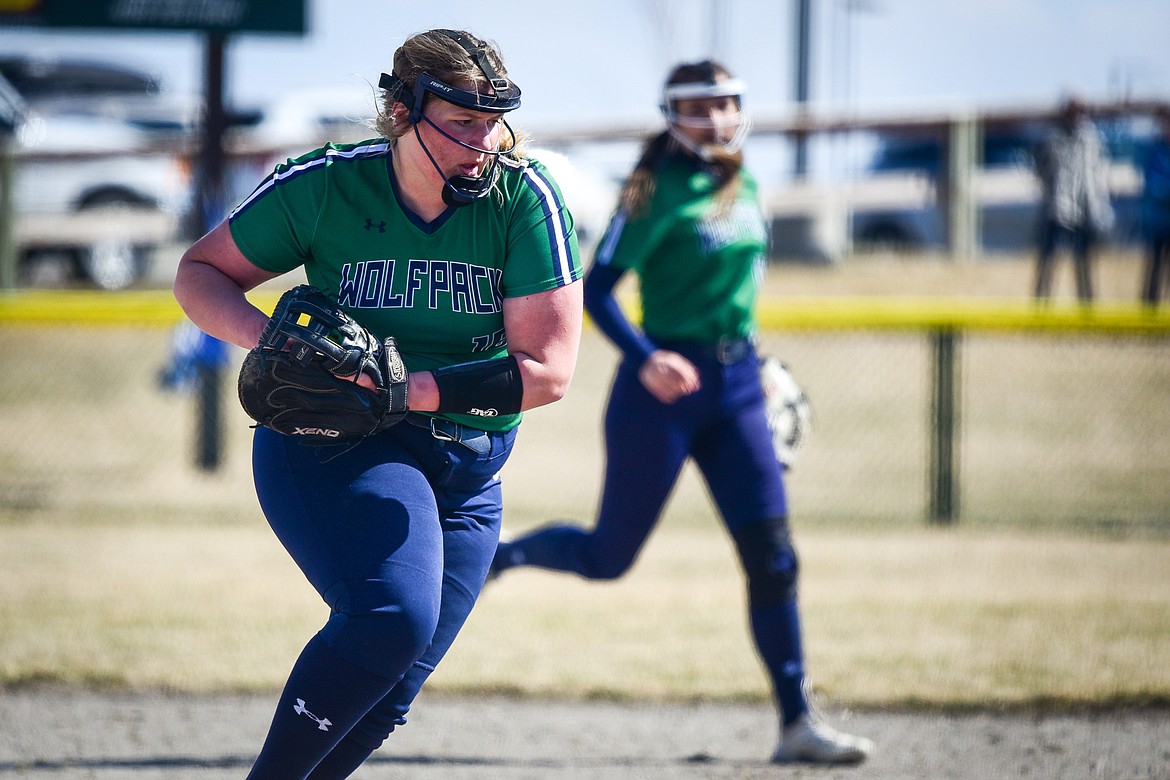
x=70, y=734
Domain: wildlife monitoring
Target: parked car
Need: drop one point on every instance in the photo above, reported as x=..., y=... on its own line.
x=1005, y=188
x=90, y=195
x=98, y=181
x=40, y=79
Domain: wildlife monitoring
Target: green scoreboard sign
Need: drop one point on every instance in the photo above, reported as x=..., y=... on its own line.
x=226, y=16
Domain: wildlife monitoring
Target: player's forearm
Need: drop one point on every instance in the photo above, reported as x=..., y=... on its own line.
x=216, y=304
x=422, y=392
x=539, y=382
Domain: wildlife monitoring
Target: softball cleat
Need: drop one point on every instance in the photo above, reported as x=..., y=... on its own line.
x=811, y=741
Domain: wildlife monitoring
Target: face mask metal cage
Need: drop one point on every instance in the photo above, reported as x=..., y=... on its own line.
x=672, y=93
x=504, y=97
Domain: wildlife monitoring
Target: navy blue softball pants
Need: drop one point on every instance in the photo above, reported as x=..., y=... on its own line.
x=724, y=428
x=397, y=535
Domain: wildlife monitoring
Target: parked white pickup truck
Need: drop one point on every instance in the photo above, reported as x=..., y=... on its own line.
x=91, y=200
x=95, y=171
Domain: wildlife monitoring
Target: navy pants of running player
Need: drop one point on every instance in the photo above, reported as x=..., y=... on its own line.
x=724, y=428
x=396, y=534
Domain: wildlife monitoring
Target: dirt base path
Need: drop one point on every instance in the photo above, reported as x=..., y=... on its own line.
x=69, y=734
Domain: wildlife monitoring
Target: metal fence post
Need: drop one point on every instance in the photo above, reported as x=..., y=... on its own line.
x=9, y=257
x=944, y=457
x=208, y=386
x=961, y=213
x=208, y=207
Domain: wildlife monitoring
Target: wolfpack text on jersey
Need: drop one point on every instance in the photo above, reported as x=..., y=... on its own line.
x=438, y=287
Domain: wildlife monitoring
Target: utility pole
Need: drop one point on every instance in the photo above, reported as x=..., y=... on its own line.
x=717, y=29
x=803, y=44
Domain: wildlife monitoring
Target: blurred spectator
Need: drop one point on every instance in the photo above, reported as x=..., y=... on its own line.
x=192, y=353
x=1156, y=210
x=1075, y=206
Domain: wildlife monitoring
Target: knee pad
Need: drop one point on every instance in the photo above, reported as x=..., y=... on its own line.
x=769, y=561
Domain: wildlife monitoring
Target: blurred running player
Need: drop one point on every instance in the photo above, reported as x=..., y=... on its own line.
x=688, y=386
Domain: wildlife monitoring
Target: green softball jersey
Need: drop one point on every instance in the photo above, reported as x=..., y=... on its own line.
x=437, y=287
x=699, y=265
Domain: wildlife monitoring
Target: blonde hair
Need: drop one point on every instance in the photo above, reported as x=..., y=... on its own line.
x=440, y=55
x=640, y=185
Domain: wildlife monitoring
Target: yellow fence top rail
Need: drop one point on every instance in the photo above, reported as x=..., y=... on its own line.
x=158, y=308
x=88, y=307
x=958, y=314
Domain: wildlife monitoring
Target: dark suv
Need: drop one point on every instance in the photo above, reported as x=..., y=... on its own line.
x=925, y=155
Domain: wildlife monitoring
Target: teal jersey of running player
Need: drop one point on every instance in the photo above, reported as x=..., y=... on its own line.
x=437, y=287
x=700, y=262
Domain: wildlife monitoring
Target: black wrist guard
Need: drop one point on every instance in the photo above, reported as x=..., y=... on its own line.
x=487, y=388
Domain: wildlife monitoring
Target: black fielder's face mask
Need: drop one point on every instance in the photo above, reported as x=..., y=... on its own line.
x=504, y=97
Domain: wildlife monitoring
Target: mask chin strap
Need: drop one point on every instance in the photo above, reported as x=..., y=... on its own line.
x=460, y=190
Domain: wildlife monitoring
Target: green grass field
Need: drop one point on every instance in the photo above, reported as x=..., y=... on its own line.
x=122, y=566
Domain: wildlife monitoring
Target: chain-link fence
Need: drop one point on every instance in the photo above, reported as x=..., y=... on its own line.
x=1064, y=430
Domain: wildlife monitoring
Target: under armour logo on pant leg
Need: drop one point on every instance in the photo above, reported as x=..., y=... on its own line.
x=322, y=723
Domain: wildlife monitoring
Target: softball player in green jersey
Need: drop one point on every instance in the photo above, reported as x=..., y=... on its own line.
x=440, y=234
x=688, y=386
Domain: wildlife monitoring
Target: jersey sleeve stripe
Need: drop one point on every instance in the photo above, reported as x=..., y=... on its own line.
x=555, y=224
x=288, y=174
